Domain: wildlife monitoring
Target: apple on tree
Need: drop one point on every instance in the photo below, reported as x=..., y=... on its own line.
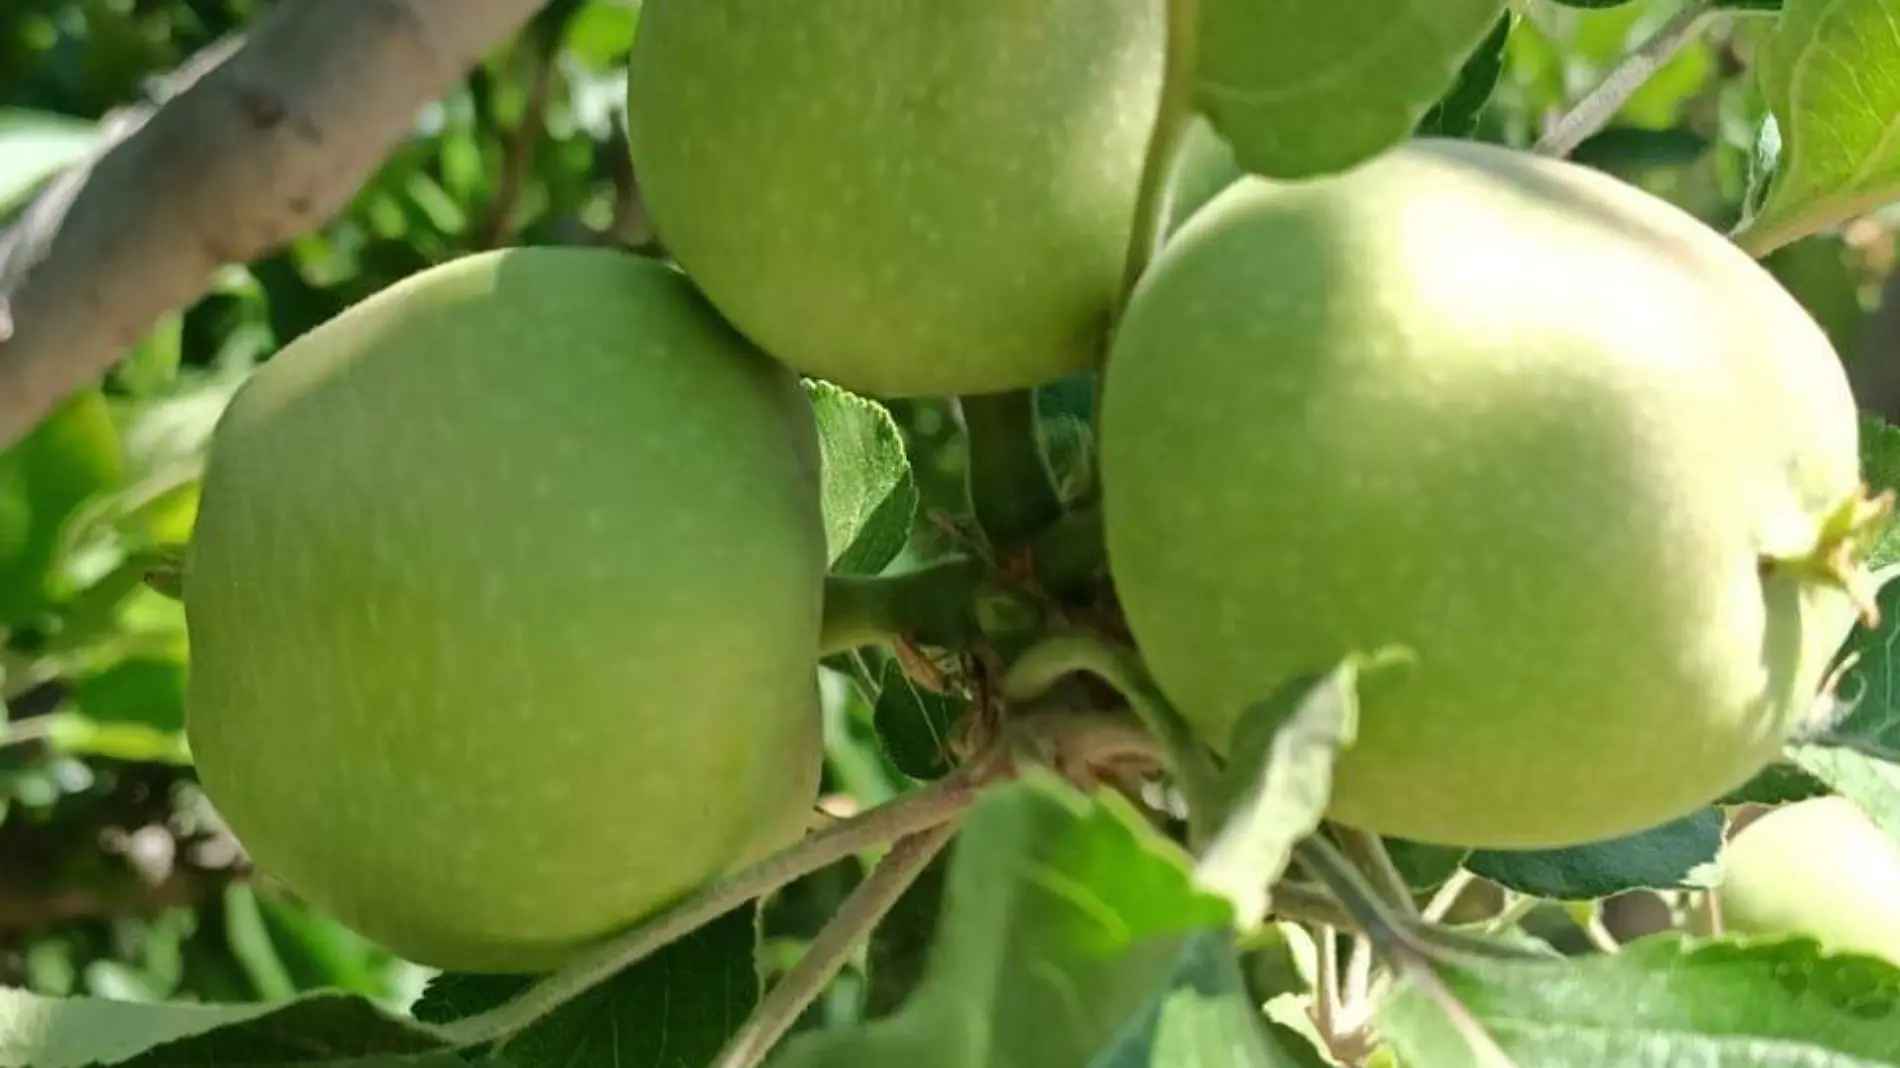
x=504, y=603
x=905, y=197
x=1582, y=456
x=1820, y=868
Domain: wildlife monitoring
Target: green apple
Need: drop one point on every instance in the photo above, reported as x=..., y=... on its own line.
x=905, y=197
x=1819, y=868
x=503, y=598
x=1573, y=449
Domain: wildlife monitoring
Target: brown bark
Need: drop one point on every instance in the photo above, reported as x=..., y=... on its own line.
x=262, y=140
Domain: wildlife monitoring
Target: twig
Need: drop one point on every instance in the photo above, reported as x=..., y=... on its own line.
x=518, y=147
x=910, y=814
x=1590, y=114
x=264, y=139
x=1048, y=661
x=867, y=905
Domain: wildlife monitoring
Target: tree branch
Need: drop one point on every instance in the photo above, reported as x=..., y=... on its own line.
x=263, y=140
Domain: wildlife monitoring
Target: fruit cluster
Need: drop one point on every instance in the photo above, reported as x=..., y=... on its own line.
x=507, y=585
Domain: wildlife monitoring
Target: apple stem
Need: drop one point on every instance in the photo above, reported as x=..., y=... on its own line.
x=1172, y=116
x=1011, y=489
x=932, y=806
x=863, y=910
x=1590, y=114
x=930, y=605
x=1042, y=665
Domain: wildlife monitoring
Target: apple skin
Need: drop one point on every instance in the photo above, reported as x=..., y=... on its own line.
x=503, y=599
x=1534, y=424
x=1819, y=868
x=904, y=197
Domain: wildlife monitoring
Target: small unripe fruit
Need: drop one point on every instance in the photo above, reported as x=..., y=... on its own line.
x=1564, y=442
x=1819, y=868
x=504, y=597
x=905, y=197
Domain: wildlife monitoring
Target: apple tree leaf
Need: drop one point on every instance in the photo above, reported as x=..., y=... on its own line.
x=914, y=724
x=1880, y=469
x=1673, y=855
x=1303, y=89
x=1830, y=74
x=1208, y=1019
x=1866, y=696
x=71, y=457
x=1870, y=783
x=1425, y=865
x=316, y=1029
x=1278, y=784
x=1456, y=114
x=1063, y=916
x=1780, y=783
x=674, y=1009
x=1663, y=1002
x=870, y=497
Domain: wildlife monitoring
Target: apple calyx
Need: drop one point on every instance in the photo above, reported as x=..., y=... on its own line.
x=1838, y=556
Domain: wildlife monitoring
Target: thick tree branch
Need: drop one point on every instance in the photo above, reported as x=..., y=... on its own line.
x=262, y=141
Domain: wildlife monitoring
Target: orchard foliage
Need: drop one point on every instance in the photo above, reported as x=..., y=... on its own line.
x=1118, y=533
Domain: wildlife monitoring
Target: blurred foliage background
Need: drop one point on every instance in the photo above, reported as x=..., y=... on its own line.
x=116, y=879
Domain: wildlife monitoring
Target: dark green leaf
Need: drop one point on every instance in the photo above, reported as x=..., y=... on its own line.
x=914, y=724
x=1872, y=784
x=674, y=1009
x=1424, y=865
x=1777, y=784
x=1456, y=115
x=1662, y=858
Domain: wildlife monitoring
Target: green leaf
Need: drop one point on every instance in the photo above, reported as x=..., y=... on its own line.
x=1827, y=74
x=898, y=956
x=1278, y=784
x=1456, y=115
x=869, y=495
x=321, y=1028
x=1208, y=1019
x=144, y=690
x=1661, y=858
x=1064, y=915
x=1303, y=89
x=35, y=146
x=913, y=724
x=1867, y=713
x=1425, y=866
x=1779, y=783
x=600, y=34
x=1872, y=784
x=1880, y=469
x=674, y=1009
x=1665, y=1002
x=70, y=457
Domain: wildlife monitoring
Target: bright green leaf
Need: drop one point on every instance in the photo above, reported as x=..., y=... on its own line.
x=1063, y=917
x=1663, y=1003
x=869, y=495
x=45, y=478
x=1303, y=89
x=1829, y=75
x=1208, y=1019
